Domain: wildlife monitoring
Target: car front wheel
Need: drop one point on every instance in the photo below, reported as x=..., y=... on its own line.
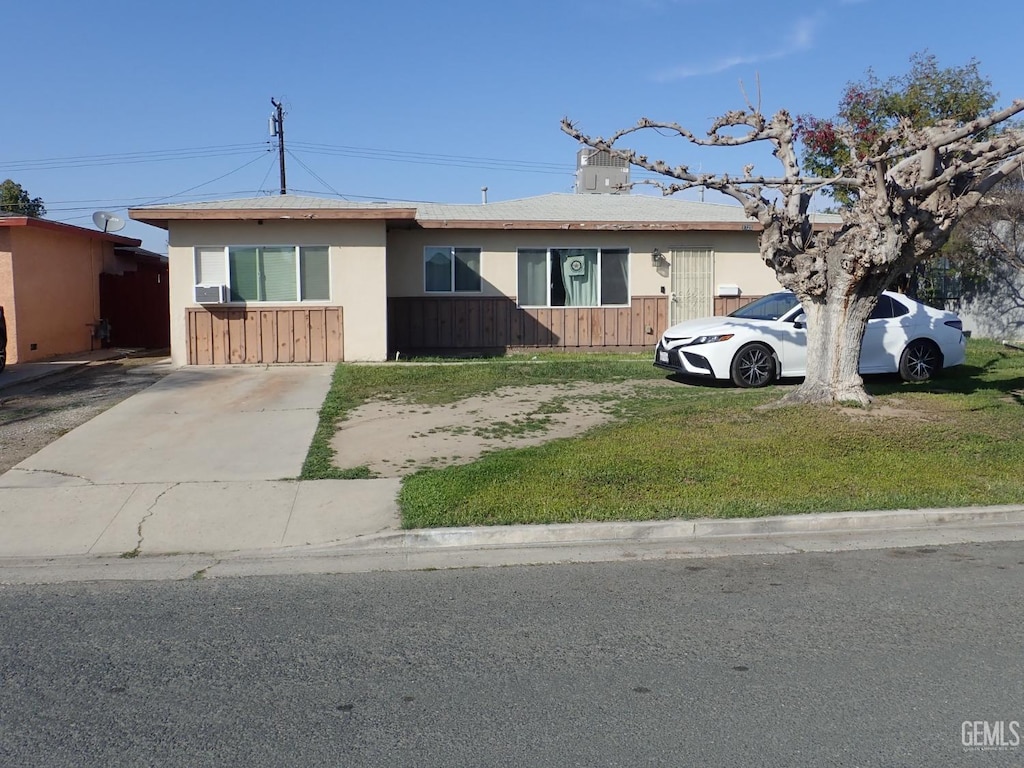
x=753, y=366
x=920, y=361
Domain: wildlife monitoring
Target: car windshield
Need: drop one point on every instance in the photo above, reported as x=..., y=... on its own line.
x=771, y=307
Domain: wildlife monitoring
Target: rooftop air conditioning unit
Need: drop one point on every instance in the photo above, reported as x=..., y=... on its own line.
x=211, y=294
x=599, y=171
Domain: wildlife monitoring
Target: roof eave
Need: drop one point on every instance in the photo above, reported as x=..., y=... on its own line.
x=58, y=226
x=161, y=217
x=594, y=226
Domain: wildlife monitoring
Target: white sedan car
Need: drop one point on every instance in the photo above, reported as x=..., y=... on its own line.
x=767, y=339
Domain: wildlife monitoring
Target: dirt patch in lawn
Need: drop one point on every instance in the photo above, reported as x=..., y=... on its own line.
x=892, y=411
x=394, y=438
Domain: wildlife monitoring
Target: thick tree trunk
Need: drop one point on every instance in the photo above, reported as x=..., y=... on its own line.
x=835, y=330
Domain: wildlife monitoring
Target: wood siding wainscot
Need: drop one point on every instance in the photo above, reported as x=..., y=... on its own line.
x=264, y=334
x=478, y=324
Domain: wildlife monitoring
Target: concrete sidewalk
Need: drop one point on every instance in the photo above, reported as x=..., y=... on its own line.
x=535, y=545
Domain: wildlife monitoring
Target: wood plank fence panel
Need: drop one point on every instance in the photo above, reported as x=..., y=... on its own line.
x=451, y=324
x=264, y=335
x=317, y=337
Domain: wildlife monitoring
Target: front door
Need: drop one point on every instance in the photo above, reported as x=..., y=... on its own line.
x=693, y=277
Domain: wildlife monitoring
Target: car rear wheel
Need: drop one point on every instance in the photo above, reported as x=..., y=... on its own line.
x=753, y=366
x=920, y=361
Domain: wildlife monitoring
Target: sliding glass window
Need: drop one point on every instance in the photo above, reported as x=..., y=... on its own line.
x=267, y=273
x=447, y=269
x=573, y=277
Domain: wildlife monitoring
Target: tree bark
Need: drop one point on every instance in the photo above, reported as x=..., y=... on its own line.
x=835, y=330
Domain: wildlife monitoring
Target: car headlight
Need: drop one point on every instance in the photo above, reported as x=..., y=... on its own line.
x=711, y=339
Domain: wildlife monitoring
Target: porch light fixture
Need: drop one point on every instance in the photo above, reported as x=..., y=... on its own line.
x=657, y=259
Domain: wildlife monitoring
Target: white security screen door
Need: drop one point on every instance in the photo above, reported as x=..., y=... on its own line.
x=693, y=277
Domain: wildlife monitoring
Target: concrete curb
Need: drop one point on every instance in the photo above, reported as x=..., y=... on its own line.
x=449, y=548
x=675, y=530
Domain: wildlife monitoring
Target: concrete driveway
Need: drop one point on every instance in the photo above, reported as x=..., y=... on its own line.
x=203, y=461
x=196, y=424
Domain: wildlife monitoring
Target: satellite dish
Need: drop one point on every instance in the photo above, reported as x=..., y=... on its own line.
x=107, y=222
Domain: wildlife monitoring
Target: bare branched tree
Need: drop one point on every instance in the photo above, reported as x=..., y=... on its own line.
x=908, y=186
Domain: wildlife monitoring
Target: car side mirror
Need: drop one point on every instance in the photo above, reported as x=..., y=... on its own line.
x=800, y=321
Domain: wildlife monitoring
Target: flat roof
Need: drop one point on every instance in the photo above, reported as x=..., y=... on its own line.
x=272, y=207
x=551, y=211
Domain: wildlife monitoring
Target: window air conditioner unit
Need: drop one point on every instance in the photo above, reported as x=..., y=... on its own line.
x=211, y=294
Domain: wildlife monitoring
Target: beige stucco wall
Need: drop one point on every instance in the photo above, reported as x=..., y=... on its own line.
x=369, y=264
x=358, y=282
x=55, y=277
x=736, y=258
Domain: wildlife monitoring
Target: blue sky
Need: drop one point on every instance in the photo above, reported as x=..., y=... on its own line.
x=409, y=100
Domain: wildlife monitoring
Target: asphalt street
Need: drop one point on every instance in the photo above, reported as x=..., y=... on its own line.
x=897, y=657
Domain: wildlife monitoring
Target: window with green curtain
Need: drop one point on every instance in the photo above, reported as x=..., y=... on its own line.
x=270, y=273
x=315, y=273
x=578, y=267
x=278, y=281
x=573, y=277
x=243, y=269
x=533, y=277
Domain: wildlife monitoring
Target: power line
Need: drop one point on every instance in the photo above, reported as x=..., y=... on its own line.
x=129, y=158
x=313, y=173
x=426, y=158
x=197, y=186
x=266, y=175
x=154, y=201
x=338, y=150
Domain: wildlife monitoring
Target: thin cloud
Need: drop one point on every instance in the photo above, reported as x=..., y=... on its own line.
x=801, y=39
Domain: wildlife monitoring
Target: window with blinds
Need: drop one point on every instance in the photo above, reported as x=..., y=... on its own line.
x=267, y=273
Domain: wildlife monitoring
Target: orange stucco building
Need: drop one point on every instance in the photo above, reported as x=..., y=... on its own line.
x=50, y=284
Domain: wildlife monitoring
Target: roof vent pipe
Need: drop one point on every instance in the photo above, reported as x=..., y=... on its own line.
x=483, y=193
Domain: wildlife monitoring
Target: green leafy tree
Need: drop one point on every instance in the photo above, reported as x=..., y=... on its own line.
x=15, y=199
x=908, y=158
x=924, y=96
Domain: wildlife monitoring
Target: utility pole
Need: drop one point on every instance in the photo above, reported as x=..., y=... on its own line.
x=277, y=129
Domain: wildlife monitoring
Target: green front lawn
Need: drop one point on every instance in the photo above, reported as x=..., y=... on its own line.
x=709, y=451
